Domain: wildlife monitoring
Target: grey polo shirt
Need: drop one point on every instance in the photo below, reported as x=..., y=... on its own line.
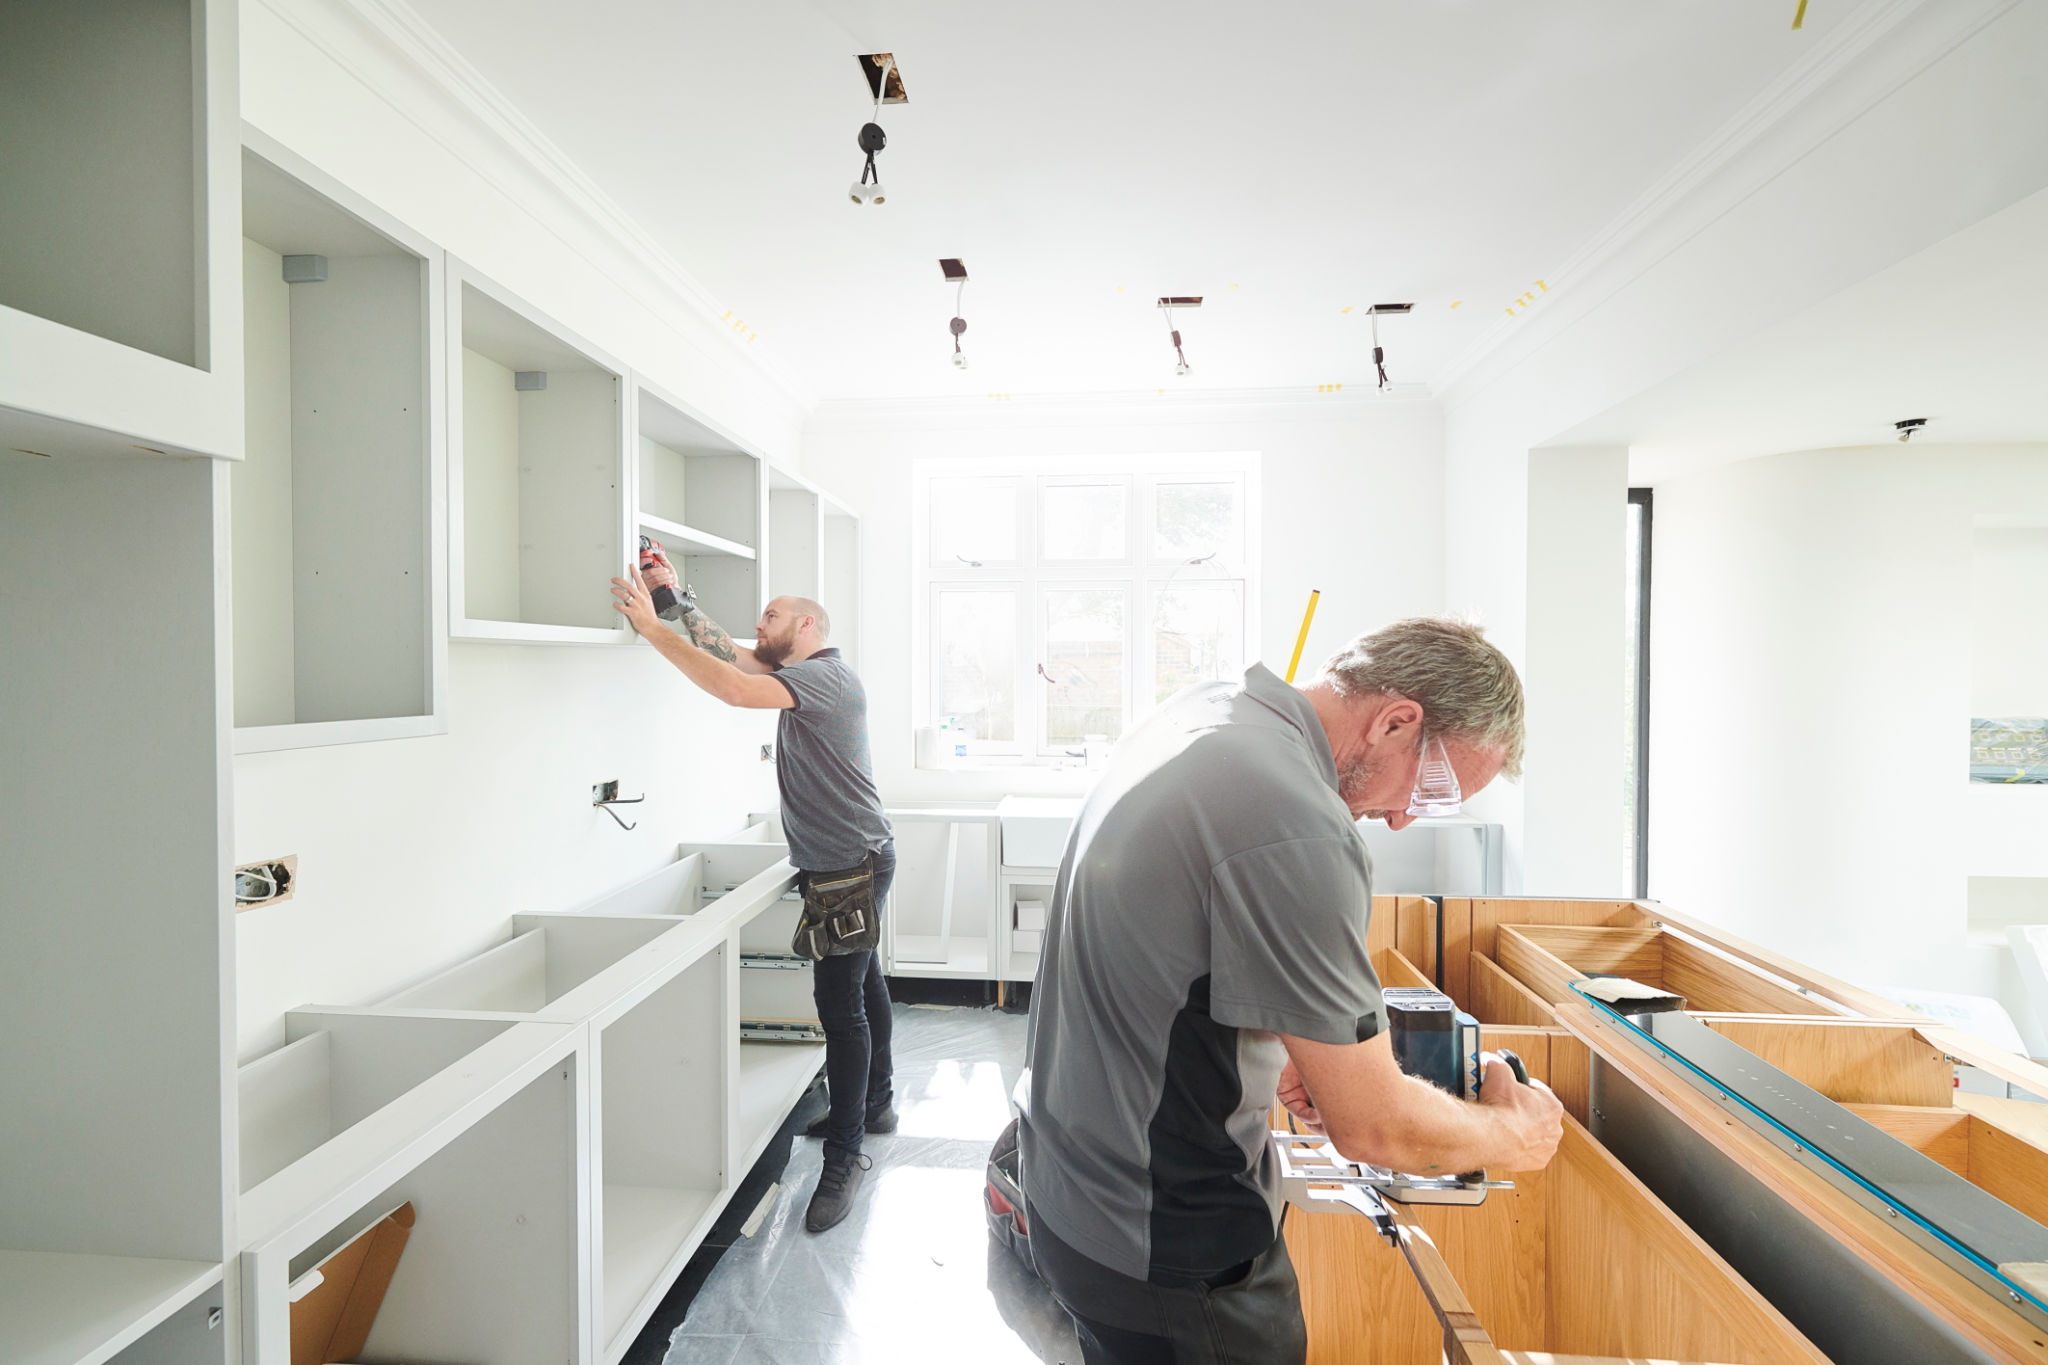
x=1214, y=893
x=831, y=809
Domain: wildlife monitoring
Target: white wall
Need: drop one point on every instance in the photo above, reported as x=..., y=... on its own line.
x=1796, y=204
x=2008, y=600
x=1351, y=492
x=1576, y=676
x=1810, y=693
x=414, y=853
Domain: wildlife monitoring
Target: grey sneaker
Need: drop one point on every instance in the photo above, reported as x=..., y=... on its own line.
x=881, y=1120
x=838, y=1183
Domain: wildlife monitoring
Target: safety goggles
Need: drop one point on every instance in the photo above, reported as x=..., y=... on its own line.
x=1436, y=783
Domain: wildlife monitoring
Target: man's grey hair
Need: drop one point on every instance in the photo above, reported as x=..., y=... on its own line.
x=807, y=607
x=1467, y=688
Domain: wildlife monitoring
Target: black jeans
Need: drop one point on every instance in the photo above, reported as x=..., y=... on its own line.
x=1247, y=1315
x=853, y=1007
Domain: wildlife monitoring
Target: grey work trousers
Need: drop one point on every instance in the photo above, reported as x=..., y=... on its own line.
x=1247, y=1315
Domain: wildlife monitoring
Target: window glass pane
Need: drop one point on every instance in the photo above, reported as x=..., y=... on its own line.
x=1084, y=520
x=1197, y=635
x=976, y=636
x=1084, y=664
x=1191, y=520
x=974, y=519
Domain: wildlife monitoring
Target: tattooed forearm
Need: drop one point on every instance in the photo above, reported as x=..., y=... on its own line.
x=709, y=636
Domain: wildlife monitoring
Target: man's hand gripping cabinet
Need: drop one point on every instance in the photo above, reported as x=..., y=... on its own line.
x=1434, y=1041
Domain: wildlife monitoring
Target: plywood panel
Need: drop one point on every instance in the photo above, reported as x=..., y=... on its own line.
x=1634, y=953
x=1417, y=933
x=1456, y=915
x=1396, y=970
x=1627, y=1277
x=1941, y=1135
x=1709, y=981
x=1850, y=1061
x=1978, y=1317
x=1496, y=998
x=1383, y=929
x=1830, y=990
x=2009, y=1168
x=1484, y=916
x=1571, y=1076
x=1360, y=1302
x=1540, y=971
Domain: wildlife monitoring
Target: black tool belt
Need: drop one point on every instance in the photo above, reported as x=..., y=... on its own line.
x=840, y=915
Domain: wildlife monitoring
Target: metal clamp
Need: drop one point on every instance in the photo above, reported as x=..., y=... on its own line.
x=1315, y=1176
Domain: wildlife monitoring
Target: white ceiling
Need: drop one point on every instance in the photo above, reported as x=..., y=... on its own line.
x=1954, y=334
x=1084, y=158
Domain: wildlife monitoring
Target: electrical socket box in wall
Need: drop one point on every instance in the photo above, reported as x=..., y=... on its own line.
x=269, y=882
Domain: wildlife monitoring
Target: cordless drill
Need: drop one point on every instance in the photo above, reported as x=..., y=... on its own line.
x=1437, y=1042
x=668, y=604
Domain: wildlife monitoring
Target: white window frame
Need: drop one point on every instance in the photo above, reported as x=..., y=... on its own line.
x=1139, y=574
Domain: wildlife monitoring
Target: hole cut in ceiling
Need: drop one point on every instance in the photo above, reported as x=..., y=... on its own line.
x=872, y=65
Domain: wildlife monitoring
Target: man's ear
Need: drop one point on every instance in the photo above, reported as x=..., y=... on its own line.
x=1394, y=718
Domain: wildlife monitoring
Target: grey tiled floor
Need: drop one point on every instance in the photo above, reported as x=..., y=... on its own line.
x=911, y=1275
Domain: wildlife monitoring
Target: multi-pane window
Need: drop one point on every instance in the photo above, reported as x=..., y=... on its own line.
x=1061, y=607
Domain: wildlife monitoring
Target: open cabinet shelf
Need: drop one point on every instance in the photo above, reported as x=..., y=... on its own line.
x=119, y=127
x=492, y=1155
x=336, y=603
x=537, y=474
x=68, y=1309
x=114, y=1110
x=699, y=494
x=661, y=1080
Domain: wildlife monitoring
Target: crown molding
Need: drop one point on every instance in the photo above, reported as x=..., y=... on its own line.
x=446, y=81
x=1880, y=47
x=1143, y=405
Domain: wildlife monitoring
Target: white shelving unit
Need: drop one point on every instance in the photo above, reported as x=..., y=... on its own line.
x=701, y=496
x=661, y=1080
x=57, y=1309
x=492, y=1151
x=120, y=282
x=118, y=1107
x=941, y=918
x=339, y=628
x=537, y=476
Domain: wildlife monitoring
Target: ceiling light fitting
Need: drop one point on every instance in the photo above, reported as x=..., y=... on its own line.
x=868, y=189
x=955, y=271
x=1379, y=355
x=1168, y=304
x=1909, y=428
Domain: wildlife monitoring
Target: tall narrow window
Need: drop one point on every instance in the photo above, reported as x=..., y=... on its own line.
x=1636, y=713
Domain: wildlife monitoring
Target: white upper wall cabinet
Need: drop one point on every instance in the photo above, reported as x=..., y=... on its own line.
x=537, y=474
x=840, y=575
x=700, y=495
x=119, y=279
x=337, y=623
x=796, y=532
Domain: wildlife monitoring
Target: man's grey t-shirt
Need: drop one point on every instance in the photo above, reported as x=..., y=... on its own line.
x=831, y=809
x=1214, y=893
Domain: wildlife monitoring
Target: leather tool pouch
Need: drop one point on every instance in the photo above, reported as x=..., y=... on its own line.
x=840, y=915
